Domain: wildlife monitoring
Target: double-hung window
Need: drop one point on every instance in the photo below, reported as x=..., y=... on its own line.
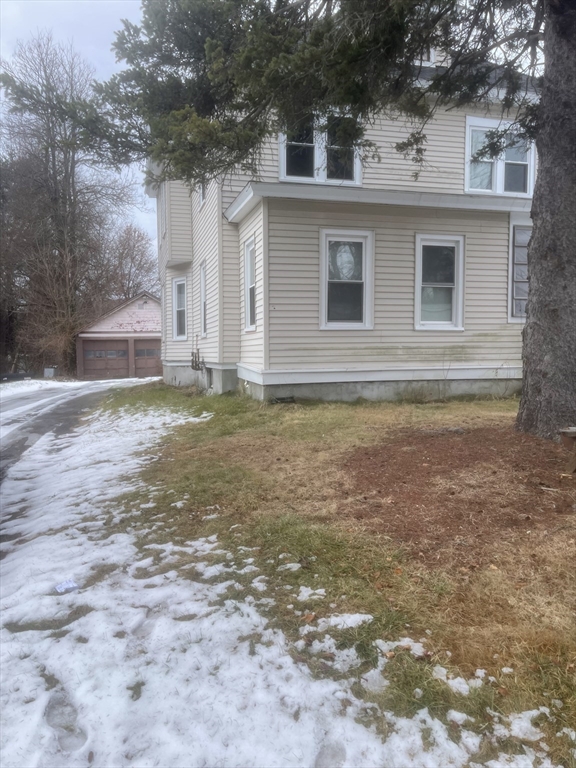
x=179, y=308
x=511, y=173
x=347, y=279
x=439, y=300
x=203, y=312
x=519, y=271
x=250, y=285
x=308, y=154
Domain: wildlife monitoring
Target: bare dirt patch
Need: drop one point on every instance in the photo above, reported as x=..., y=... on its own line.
x=457, y=494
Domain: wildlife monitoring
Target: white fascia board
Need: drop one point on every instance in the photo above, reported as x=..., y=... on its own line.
x=245, y=202
x=333, y=375
x=255, y=191
x=113, y=335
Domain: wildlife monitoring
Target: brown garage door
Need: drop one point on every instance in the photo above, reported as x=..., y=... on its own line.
x=148, y=362
x=105, y=359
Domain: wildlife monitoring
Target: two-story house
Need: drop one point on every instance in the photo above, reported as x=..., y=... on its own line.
x=332, y=278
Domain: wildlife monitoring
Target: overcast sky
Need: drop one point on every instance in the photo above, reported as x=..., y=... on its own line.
x=88, y=24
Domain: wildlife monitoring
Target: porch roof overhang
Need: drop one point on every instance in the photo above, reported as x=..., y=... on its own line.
x=255, y=191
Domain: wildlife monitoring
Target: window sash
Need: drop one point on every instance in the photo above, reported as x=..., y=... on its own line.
x=179, y=310
x=203, y=313
x=346, y=273
x=519, y=271
x=328, y=163
x=438, y=303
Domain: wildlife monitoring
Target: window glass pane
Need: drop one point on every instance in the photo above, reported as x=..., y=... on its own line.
x=520, y=308
x=300, y=161
x=345, y=302
x=438, y=264
x=121, y=353
x=252, y=307
x=181, y=322
x=340, y=163
x=520, y=290
x=480, y=175
x=180, y=295
x=516, y=152
x=478, y=141
x=111, y=353
x=140, y=353
x=99, y=353
x=522, y=235
x=152, y=352
x=436, y=304
x=344, y=260
x=302, y=132
x=521, y=255
x=521, y=272
x=515, y=178
x=251, y=266
x=88, y=353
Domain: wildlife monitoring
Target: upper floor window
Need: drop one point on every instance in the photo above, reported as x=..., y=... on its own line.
x=511, y=173
x=311, y=155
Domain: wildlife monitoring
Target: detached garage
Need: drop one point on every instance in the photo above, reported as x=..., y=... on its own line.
x=122, y=343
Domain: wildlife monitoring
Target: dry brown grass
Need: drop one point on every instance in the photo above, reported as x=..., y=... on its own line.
x=284, y=472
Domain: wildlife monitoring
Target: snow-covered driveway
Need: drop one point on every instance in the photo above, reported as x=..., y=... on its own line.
x=141, y=660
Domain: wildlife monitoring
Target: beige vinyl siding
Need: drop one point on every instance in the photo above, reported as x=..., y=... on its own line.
x=205, y=250
x=294, y=289
x=180, y=222
x=177, y=351
x=252, y=342
x=234, y=183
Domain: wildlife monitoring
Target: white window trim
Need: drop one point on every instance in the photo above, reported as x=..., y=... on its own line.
x=248, y=246
x=320, y=164
x=366, y=236
x=488, y=124
x=516, y=220
x=457, y=323
x=203, y=307
x=175, y=282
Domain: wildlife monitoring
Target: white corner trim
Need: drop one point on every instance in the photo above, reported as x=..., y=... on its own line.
x=343, y=375
x=256, y=190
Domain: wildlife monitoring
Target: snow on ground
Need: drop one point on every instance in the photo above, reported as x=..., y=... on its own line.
x=144, y=668
x=23, y=400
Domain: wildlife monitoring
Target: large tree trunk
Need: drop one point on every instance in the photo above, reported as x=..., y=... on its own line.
x=549, y=350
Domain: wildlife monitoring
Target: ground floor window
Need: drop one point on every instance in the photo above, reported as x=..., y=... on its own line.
x=147, y=353
x=346, y=279
x=519, y=267
x=439, y=299
x=179, y=308
x=250, y=285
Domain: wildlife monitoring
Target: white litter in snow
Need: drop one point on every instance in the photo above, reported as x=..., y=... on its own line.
x=159, y=671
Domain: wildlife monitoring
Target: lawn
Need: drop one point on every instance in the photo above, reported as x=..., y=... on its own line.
x=438, y=520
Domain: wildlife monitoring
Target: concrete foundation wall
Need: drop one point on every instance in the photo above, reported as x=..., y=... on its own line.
x=384, y=390
x=213, y=380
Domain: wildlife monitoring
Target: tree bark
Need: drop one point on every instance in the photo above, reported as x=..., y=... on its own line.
x=549, y=344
